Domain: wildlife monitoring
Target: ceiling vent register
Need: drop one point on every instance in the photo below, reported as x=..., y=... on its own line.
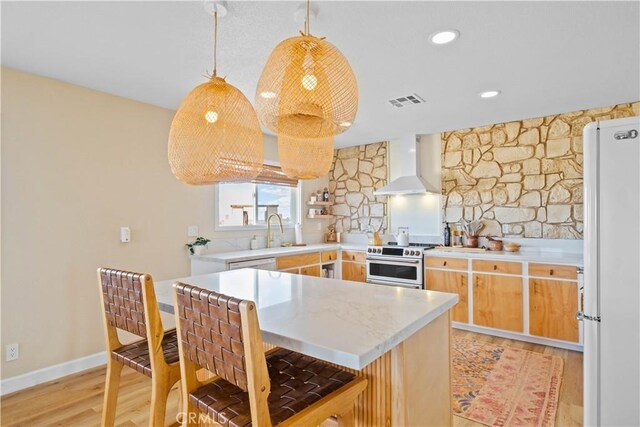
x=403, y=101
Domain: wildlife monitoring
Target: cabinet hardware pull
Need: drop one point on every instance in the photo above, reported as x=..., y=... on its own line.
x=444, y=263
x=551, y=272
x=495, y=267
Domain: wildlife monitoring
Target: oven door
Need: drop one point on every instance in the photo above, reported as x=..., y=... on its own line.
x=398, y=272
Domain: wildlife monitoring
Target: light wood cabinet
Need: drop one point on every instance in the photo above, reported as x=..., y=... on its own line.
x=291, y=271
x=354, y=256
x=553, y=271
x=552, y=308
x=286, y=262
x=452, y=282
x=491, y=266
x=329, y=256
x=497, y=302
x=312, y=270
x=448, y=263
x=355, y=271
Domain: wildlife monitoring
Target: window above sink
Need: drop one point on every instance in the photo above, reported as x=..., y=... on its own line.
x=247, y=205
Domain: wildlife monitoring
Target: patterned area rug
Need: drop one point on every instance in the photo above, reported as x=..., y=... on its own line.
x=504, y=386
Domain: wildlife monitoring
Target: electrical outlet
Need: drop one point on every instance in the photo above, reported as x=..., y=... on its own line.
x=192, y=231
x=319, y=227
x=13, y=352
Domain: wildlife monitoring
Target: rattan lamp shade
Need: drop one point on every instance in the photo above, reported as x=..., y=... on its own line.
x=307, y=89
x=215, y=136
x=303, y=158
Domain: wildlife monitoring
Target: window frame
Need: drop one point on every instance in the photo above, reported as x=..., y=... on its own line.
x=296, y=207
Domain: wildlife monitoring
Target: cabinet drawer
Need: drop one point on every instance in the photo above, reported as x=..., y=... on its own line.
x=497, y=266
x=297, y=260
x=553, y=271
x=329, y=256
x=313, y=270
x=451, y=263
x=353, y=256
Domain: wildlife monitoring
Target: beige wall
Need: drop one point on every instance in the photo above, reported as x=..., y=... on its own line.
x=76, y=165
x=522, y=178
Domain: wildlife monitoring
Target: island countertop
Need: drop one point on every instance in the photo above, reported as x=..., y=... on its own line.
x=347, y=323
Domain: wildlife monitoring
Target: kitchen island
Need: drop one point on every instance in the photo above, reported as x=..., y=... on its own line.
x=398, y=338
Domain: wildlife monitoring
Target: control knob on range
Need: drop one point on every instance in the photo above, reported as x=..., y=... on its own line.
x=369, y=250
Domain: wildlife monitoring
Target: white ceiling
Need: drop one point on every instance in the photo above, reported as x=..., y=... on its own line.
x=545, y=57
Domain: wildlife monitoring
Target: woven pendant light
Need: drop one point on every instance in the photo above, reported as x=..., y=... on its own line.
x=307, y=88
x=215, y=135
x=305, y=158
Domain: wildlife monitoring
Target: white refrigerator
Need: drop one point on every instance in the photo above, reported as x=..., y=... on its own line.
x=611, y=303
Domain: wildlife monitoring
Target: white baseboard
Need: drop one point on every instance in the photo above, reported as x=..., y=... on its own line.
x=518, y=336
x=39, y=376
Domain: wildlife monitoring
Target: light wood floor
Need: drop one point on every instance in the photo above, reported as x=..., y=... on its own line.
x=76, y=400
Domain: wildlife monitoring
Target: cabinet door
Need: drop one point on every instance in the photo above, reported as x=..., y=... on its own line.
x=497, y=302
x=312, y=270
x=452, y=282
x=354, y=271
x=553, y=306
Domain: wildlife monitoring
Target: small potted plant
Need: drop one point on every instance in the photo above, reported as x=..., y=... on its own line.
x=197, y=246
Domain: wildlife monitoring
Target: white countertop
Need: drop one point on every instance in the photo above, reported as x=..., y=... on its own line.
x=347, y=323
x=553, y=257
x=226, y=257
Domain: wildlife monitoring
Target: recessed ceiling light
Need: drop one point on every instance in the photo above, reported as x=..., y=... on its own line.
x=345, y=124
x=489, y=94
x=444, y=37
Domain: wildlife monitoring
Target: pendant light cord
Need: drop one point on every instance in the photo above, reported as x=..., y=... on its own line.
x=306, y=22
x=215, y=43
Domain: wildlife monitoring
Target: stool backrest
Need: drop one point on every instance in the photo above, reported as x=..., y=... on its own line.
x=129, y=303
x=123, y=300
x=221, y=334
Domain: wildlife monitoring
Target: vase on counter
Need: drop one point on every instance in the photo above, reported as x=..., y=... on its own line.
x=471, y=242
x=199, y=249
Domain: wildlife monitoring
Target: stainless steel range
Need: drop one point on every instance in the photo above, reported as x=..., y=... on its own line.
x=396, y=266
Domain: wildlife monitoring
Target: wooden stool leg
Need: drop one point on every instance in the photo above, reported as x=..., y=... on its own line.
x=159, y=393
x=111, y=392
x=347, y=419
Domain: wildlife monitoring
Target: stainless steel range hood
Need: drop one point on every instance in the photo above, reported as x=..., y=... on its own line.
x=406, y=158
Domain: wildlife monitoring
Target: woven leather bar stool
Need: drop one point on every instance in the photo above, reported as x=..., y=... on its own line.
x=129, y=302
x=221, y=334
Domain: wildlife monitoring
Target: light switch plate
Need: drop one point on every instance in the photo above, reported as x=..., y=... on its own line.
x=125, y=234
x=192, y=231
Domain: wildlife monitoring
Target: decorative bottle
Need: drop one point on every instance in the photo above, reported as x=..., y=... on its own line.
x=447, y=234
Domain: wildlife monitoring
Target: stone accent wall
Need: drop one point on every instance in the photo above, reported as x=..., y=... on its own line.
x=355, y=174
x=522, y=178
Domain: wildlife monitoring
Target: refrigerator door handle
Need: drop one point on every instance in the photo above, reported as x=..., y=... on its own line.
x=581, y=316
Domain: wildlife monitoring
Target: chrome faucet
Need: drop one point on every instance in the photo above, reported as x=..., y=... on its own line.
x=269, y=227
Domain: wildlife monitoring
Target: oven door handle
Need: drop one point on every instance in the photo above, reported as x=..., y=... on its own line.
x=391, y=260
x=400, y=285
